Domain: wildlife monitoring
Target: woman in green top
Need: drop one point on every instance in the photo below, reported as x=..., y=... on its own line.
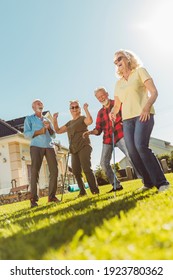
x=80, y=148
x=136, y=91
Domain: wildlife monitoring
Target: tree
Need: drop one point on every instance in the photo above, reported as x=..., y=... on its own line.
x=116, y=168
x=101, y=176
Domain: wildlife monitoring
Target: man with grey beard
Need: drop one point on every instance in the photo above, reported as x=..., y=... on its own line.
x=105, y=125
x=40, y=131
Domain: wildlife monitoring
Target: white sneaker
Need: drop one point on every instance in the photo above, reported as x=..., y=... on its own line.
x=163, y=188
x=143, y=189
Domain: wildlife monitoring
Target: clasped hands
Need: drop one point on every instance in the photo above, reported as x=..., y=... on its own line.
x=46, y=126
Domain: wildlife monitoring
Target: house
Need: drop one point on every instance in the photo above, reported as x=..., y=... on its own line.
x=15, y=162
x=158, y=146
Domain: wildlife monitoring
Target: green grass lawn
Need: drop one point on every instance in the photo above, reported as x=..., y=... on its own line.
x=130, y=226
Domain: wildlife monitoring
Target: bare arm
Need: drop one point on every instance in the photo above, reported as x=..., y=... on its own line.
x=91, y=132
x=58, y=130
x=39, y=132
x=150, y=86
x=88, y=120
x=117, y=105
x=115, y=109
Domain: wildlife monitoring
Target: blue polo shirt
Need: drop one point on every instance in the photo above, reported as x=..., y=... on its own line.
x=33, y=123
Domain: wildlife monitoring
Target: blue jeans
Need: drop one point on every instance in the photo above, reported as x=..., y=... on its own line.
x=106, y=158
x=137, y=136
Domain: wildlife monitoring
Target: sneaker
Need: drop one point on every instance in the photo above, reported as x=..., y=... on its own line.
x=95, y=193
x=143, y=189
x=53, y=199
x=33, y=203
x=81, y=194
x=119, y=188
x=163, y=188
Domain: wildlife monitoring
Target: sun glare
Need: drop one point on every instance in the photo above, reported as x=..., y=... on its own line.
x=158, y=27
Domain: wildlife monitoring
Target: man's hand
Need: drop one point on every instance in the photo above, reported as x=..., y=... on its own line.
x=46, y=124
x=39, y=132
x=86, y=134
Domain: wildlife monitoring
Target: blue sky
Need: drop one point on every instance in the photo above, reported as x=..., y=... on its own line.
x=62, y=50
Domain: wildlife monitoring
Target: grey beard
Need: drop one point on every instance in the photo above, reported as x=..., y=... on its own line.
x=104, y=103
x=39, y=110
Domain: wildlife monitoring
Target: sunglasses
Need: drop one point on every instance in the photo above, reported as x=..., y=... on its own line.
x=118, y=59
x=74, y=107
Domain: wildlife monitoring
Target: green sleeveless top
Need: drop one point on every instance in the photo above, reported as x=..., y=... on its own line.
x=75, y=129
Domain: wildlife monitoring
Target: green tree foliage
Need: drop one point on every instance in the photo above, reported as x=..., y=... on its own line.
x=101, y=177
x=116, y=168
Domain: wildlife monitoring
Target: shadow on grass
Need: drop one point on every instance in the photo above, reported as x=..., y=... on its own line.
x=34, y=245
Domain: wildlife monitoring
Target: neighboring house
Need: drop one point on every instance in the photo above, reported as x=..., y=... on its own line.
x=158, y=146
x=15, y=162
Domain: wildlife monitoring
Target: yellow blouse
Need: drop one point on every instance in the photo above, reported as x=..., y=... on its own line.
x=133, y=93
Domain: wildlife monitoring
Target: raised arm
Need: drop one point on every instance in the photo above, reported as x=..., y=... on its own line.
x=58, y=130
x=88, y=120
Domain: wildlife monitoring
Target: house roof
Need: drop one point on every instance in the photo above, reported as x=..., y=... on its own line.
x=6, y=129
x=13, y=126
x=17, y=123
x=153, y=139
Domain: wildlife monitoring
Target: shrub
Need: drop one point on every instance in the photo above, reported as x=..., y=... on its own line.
x=101, y=177
x=169, y=159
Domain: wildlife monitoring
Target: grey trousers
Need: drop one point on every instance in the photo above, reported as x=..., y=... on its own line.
x=37, y=155
x=82, y=160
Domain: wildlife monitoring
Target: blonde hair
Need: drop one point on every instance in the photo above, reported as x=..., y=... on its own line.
x=133, y=60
